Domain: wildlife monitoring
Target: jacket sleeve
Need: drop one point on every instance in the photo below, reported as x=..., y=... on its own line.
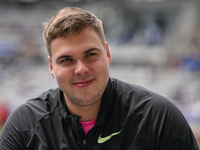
x=11, y=138
x=168, y=129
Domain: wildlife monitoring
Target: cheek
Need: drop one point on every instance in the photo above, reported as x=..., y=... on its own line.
x=101, y=68
x=105, y=64
x=62, y=74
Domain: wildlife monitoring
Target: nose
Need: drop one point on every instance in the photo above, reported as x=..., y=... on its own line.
x=80, y=68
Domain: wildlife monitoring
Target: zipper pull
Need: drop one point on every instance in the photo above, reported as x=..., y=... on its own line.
x=84, y=143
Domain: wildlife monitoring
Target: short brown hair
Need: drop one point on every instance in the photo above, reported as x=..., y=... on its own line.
x=70, y=20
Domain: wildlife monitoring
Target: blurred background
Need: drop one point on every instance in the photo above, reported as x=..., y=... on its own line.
x=153, y=43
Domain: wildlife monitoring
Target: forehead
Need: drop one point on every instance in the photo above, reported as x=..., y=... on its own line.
x=77, y=42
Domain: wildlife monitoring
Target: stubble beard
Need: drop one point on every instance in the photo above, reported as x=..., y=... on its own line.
x=81, y=101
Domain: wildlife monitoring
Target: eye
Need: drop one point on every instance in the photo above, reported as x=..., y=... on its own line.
x=66, y=60
x=90, y=54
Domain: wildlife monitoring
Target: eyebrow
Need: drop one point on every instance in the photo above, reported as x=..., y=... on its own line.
x=91, y=49
x=63, y=56
x=86, y=52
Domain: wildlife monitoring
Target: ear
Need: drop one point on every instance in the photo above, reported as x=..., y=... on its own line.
x=108, y=53
x=51, y=66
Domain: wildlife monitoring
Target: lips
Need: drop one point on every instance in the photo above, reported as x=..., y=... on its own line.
x=84, y=83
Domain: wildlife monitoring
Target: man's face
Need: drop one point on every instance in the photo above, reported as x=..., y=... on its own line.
x=80, y=65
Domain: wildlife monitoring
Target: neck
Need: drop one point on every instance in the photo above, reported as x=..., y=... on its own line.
x=87, y=113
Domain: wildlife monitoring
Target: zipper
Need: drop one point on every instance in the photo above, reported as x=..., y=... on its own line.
x=84, y=144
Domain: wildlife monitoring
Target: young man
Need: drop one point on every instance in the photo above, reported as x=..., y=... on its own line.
x=90, y=110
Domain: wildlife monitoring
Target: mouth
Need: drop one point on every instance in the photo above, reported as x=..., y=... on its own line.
x=83, y=83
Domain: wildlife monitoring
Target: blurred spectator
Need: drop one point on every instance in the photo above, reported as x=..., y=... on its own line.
x=153, y=34
x=4, y=112
x=8, y=52
x=191, y=62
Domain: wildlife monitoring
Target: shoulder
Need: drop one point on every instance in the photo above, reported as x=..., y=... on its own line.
x=145, y=105
x=41, y=105
x=46, y=102
x=131, y=95
x=27, y=115
x=157, y=116
x=26, y=119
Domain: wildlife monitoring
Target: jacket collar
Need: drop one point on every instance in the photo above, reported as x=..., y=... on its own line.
x=107, y=102
x=64, y=111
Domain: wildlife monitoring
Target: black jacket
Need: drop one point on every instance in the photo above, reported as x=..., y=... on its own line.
x=130, y=118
